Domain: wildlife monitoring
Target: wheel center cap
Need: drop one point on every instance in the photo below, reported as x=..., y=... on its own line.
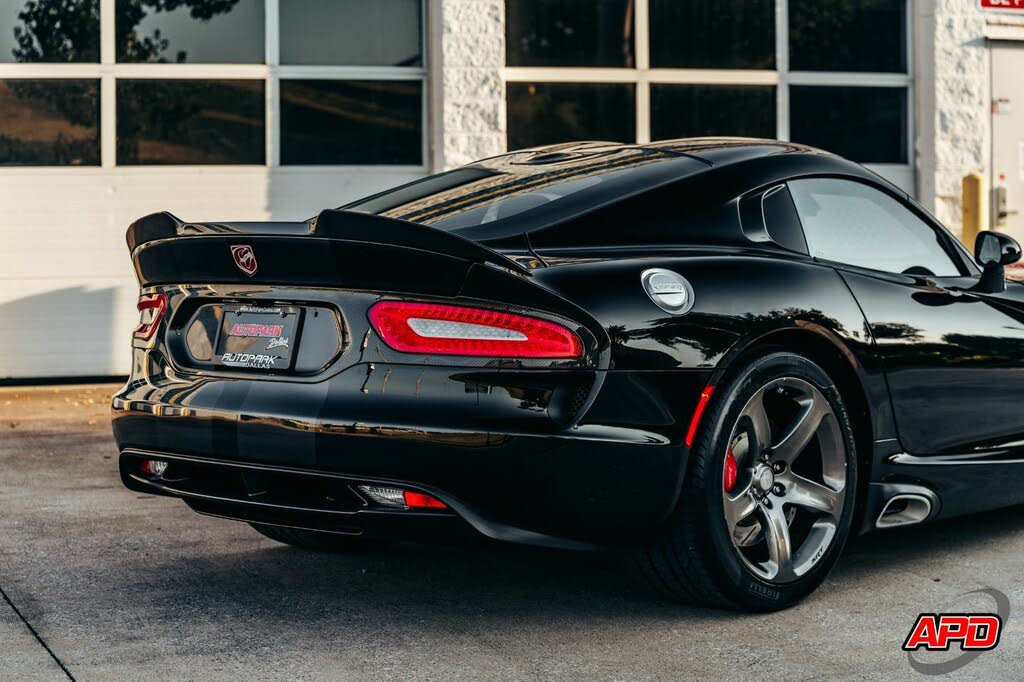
x=765, y=479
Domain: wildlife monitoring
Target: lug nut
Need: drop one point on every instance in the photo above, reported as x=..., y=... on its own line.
x=778, y=489
x=767, y=503
x=779, y=467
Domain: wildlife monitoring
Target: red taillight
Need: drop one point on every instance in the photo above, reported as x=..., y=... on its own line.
x=151, y=310
x=457, y=330
x=415, y=500
x=705, y=396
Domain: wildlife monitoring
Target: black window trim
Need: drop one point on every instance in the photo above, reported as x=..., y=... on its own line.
x=762, y=233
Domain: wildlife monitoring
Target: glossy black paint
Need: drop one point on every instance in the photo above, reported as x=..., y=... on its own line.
x=572, y=453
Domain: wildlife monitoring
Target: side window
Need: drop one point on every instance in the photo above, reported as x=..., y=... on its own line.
x=851, y=223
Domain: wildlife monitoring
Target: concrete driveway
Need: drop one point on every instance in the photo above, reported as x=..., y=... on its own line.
x=101, y=583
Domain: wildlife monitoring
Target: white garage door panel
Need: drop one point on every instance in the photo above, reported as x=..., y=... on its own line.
x=58, y=327
x=67, y=289
x=73, y=225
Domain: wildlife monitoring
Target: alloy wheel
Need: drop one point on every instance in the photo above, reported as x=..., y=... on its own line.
x=784, y=482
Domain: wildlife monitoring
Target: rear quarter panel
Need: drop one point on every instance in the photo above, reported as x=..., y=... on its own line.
x=740, y=300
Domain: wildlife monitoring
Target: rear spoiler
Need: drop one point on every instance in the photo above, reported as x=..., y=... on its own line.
x=334, y=224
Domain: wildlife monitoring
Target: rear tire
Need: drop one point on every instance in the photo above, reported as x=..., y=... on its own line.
x=318, y=541
x=768, y=538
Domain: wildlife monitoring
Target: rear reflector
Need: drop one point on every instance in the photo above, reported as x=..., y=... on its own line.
x=422, y=501
x=151, y=310
x=456, y=330
x=403, y=499
x=705, y=396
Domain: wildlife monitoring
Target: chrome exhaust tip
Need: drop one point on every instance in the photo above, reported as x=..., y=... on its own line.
x=904, y=509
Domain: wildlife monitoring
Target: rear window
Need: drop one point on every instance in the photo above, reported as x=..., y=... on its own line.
x=507, y=205
x=526, y=192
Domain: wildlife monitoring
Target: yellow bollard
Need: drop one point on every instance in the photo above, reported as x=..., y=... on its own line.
x=972, y=195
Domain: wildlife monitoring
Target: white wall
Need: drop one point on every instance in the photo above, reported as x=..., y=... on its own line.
x=67, y=289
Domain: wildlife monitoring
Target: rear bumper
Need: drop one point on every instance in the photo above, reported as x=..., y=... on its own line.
x=610, y=477
x=294, y=498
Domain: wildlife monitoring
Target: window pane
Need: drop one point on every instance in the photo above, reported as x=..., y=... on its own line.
x=222, y=31
x=190, y=122
x=510, y=203
x=852, y=223
x=711, y=110
x=66, y=31
x=351, y=32
x=547, y=113
x=569, y=33
x=728, y=34
x=854, y=35
x=50, y=122
x=351, y=122
x=868, y=125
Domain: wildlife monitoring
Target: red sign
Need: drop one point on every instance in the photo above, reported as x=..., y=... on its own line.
x=935, y=632
x=1003, y=4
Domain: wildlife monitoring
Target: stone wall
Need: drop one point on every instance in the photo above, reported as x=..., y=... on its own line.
x=472, y=100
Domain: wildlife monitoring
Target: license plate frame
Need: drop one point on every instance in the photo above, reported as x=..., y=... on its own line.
x=258, y=338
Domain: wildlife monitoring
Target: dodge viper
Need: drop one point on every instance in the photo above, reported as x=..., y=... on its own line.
x=717, y=357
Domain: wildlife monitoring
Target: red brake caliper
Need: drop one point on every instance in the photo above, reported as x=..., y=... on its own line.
x=729, y=478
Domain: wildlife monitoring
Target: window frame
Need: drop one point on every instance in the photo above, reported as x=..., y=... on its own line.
x=956, y=251
x=108, y=70
x=643, y=76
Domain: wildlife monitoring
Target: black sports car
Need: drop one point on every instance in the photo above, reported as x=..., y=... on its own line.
x=719, y=356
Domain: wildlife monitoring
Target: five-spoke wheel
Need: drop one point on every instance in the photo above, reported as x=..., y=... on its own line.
x=768, y=498
x=784, y=485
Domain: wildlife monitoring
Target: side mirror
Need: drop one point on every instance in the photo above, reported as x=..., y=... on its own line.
x=994, y=251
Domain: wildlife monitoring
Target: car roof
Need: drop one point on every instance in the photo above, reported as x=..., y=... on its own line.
x=584, y=176
x=715, y=150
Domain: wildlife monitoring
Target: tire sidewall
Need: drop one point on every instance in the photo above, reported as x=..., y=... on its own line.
x=734, y=578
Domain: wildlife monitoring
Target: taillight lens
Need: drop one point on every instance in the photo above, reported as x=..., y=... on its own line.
x=151, y=310
x=456, y=330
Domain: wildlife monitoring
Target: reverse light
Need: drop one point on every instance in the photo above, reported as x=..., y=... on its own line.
x=151, y=310
x=387, y=497
x=457, y=330
x=153, y=467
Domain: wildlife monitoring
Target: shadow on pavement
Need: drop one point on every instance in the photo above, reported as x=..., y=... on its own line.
x=482, y=585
